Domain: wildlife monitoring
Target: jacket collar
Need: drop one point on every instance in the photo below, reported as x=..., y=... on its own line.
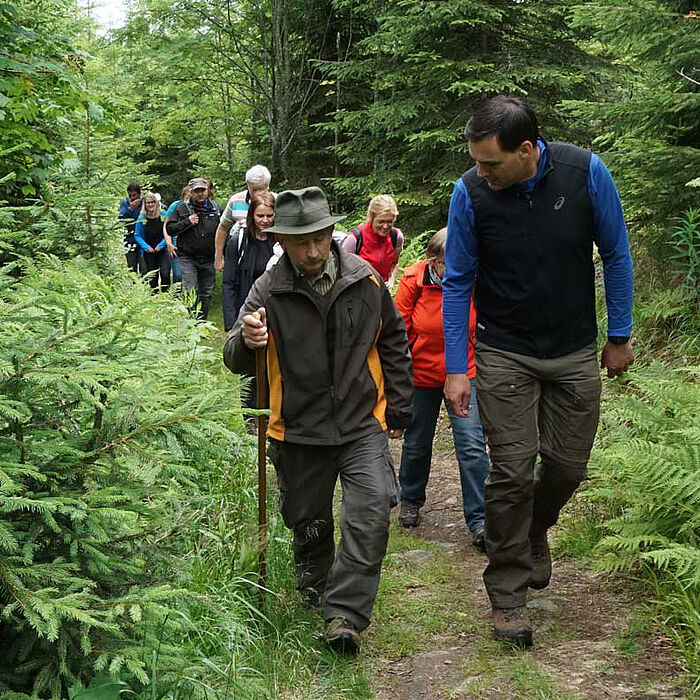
x=351, y=268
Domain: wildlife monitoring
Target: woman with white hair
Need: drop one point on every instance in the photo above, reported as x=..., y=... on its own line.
x=377, y=240
x=257, y=180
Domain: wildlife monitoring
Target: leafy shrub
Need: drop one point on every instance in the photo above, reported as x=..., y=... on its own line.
x=113, y=415
x=647, y=475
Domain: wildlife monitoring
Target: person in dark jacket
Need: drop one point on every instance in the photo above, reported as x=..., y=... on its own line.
x=339, y=372
x=130, y=209
x=521, y=229
x=194, y=223
x=248, y=250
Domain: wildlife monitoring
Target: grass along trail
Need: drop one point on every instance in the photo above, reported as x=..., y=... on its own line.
x=431, y=633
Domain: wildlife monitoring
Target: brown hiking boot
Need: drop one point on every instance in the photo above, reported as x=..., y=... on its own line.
x=409, y=515
x=511, y=625
x=541, y=562
x=342, y=636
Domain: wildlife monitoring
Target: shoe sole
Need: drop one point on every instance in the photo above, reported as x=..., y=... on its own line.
x=521, y=640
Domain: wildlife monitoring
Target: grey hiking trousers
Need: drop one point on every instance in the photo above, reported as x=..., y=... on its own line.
x=530, y=405
x=307, y=475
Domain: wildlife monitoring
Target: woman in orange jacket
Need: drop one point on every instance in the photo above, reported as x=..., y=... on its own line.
x=419, y=299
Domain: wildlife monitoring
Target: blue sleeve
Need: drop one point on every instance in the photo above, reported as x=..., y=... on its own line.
x=461, y=260
x=123, y=209
x=613, y=246
x=138, y=235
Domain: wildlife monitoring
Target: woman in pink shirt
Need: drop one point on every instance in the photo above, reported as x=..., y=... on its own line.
x=378, y=241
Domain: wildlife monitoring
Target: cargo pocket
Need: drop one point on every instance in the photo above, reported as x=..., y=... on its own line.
x=582, y=419
x=507, y=417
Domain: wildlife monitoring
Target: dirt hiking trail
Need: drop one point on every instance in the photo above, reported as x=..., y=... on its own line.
x=431, y=637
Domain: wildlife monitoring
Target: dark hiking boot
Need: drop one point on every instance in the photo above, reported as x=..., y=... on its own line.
x=479, y=539
x=541, y=562
x=512, y=626
x=409, y=516
x=342, y=636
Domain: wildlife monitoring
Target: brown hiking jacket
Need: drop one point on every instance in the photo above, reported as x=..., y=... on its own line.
x=338, y=365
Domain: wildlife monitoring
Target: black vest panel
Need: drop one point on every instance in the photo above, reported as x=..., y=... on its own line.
x=535, y=286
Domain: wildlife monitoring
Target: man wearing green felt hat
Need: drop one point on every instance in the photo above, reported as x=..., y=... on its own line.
x=340, y=380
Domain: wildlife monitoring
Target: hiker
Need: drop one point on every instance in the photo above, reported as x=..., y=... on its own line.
x=247, y=252
x=194, y=223
x=130, y=209
x=521, y=229
x=377, y=240
x=149, y=236
x=171, y=243
x=419, y=300
x=257, y=181
x=339, y=373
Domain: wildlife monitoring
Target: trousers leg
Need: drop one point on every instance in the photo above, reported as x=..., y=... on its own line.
x=417, y=451
x=508, y=393
x=164, y=270
x=150, y=263
x=554, y=486
x=368, y=490
x=205, y=287
x=470, y=447
x=568, y=421
x=306, y=476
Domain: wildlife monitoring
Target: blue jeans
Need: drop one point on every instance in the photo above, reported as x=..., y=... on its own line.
x=468, y=438
x=175, y=268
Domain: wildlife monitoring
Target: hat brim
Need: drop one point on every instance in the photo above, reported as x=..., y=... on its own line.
x=309, y=228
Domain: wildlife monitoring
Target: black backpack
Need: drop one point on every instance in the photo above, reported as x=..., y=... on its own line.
x=355, y=230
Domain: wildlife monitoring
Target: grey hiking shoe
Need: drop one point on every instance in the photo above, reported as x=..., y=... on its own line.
x=541, y=562
x=409, y=515
x=342, y=636
x=479, y=539
x=512, y=626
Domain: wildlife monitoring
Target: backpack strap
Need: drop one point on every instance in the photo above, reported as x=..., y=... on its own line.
x=394, y=236
x=355, y=231
x=240, y=244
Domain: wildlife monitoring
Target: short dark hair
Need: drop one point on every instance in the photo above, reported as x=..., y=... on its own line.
x=510, y=119
x=133, y=187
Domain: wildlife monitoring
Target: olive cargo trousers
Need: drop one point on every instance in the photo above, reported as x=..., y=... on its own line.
x=530, y=405
x=307, y=475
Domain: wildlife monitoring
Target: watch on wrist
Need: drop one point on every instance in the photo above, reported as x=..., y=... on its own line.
x=618, y=339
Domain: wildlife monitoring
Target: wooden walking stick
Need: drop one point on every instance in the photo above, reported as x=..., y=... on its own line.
x=261, y=420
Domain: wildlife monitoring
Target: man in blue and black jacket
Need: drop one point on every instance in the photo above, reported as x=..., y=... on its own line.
x=521, y=230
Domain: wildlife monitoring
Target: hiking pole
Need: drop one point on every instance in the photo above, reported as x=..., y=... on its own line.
x=261, y=420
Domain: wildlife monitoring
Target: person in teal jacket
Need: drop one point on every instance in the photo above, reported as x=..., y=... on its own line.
x=149, y=236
